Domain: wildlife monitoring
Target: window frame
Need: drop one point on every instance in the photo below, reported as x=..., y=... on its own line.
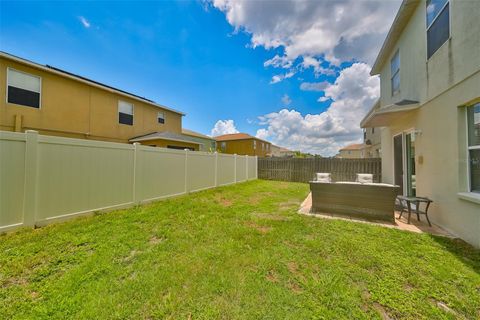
x=395, y=92
x=158, y=117
x=427, y=27
x=468, y=149
x=118, y=113
x=29, y=74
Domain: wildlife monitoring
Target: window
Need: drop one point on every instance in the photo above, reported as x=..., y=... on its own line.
x=395, y=72
x=223, y=146
x=364, y=135
x=438, y=25
x=373, y=130
x=161, y=117
x=473, y=118
x=254, y=144
x=125, y=113
x=23, y=89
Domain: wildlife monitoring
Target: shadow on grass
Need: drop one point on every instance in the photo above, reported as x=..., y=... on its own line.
x=465, y=252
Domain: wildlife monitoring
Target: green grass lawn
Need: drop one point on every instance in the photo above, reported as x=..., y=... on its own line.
x=237, y=252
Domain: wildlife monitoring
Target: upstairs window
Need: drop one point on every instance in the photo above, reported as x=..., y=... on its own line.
x=254, y=144
x=23, y=88
x=395, y=72
x=125, y=113
x=161, y=117
x=473, y=118
x=438, y=24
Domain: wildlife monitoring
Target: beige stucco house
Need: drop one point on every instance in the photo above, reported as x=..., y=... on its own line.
x=429, y=109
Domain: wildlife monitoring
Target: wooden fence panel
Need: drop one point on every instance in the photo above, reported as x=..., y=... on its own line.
x=303, y=170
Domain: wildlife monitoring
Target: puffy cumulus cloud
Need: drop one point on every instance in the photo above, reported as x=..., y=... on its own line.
x=352, y=94
x=334, y=30
x=223, y=127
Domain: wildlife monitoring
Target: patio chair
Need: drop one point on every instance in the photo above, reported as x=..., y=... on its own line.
x=364, y=178
x=323, y=177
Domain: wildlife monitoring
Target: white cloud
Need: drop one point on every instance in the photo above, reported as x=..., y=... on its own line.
x=280, y=77
x=335, y=30
x=286, y=100
x=84, y=22
x=314, y=86
x=353, y=93
x=223, y=127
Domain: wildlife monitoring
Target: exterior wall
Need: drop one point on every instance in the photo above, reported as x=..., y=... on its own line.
x=74, y=109
x=443, y=85
x=165, y=143
x=351, y=154
x=441, y=159
x=207, y=145
x=245, y=147
x=457, y=59
x=373, y=136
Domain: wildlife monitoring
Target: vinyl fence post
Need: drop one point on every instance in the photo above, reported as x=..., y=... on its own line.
x=246, y=166
x=31, y=178
x=235, y=167
x=216, y=169
x=256, y=167
x=135, y=172
x=186, y=170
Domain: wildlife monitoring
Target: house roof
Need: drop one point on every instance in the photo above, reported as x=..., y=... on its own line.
x=405, y=12
x=381, y=117
x=355, y=146
x=171, y=136
x=66, y=74
x=195, y=134
x=237, y=136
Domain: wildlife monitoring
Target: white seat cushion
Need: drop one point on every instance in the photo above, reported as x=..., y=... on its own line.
x=364, y=177
x=323, y=177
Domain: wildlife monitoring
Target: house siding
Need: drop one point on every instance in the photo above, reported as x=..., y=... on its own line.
x=74, y=109
x=245, y=147
x=443, y=85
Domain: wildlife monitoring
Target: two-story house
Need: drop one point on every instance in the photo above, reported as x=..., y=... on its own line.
x=56, y=102
x=429, y=110
x=243, y=144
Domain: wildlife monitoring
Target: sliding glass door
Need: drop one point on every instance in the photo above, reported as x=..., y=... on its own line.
x=410, y=164
x=398, y=161
x=404, y=163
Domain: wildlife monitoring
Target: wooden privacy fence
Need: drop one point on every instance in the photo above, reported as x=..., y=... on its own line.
x=45, y=178
x=303, y=170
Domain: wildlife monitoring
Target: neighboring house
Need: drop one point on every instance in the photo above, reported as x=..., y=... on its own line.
x=429, y=69
x=56, y=102
x=243, y=144
x=352, y=151
x=280, y=152
x=207, y=144
x=372, y=140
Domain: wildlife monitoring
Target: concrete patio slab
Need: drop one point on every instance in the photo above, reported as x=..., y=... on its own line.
x=401, y=224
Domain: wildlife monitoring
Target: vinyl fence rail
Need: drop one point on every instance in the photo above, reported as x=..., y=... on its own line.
x=303, y=170
x=45, y=179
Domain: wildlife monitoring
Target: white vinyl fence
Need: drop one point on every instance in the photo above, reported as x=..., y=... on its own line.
x=46, y=178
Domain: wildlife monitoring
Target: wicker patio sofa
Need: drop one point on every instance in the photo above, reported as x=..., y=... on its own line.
x=370, y=201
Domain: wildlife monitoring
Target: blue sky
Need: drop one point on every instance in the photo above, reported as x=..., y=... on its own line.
x=186, y=55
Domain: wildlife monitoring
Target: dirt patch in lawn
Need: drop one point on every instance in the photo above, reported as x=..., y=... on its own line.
x=259, y=228
x=272, y=276
x=224, y=202
x=270, y=216
x=288, y=205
